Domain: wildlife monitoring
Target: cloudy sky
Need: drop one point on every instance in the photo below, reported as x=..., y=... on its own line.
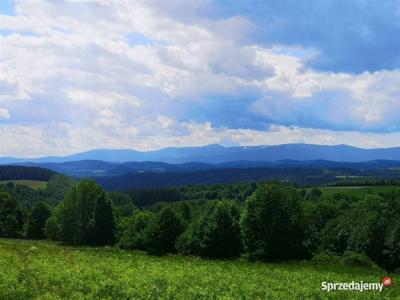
x=78, y=75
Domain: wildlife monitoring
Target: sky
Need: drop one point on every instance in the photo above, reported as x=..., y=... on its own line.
x=78, y=74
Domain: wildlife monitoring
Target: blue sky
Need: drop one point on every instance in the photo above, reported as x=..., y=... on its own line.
x=7, y=7
x=79, y=75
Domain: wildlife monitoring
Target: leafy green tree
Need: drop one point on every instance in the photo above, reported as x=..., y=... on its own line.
x=273, y=224
x=37, y=221
x=216, y=235
x=52, y=228
x=11, y=216
x=134, y=235
x=74, y=220
x=223, y=235
x=104, y=224
x=185, y=210
x=163, y=231
x=57, y=188
x=123, y=203
x=391, y=248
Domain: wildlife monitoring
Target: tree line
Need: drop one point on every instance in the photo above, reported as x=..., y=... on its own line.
x=275, y=222
x=22, y=172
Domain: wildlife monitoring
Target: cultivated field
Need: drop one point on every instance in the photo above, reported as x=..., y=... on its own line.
x=43, y=270
x=35, y=184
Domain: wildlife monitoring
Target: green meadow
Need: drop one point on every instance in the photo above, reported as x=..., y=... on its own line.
x=34, y=184
x=45, y=270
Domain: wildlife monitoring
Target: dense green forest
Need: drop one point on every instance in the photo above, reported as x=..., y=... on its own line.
x=267, y=221
x=304, y=176
x=21, y=172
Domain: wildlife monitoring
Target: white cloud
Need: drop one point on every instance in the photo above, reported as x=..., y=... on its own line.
x=4, y=113
x=61, y=139
x=70, y=75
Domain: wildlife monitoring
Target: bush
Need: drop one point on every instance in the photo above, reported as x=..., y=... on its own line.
x=354, y=259
x=325, y=258
x=273, y=224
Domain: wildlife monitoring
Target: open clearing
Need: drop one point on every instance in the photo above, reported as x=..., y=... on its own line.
x=35, y=184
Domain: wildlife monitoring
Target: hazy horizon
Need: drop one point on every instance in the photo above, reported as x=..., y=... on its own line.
x=78, y=75
x=159, y=149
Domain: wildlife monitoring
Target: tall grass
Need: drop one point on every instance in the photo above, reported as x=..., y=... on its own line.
x=43, y=270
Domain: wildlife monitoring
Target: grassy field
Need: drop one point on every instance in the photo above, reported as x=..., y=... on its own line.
x=43, y=270
x=355, y=190
x=35, y=184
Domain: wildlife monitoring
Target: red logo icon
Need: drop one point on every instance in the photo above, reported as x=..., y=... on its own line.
x=387, y=281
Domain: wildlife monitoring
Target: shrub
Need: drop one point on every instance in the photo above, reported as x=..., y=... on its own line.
x=325, y=258
x=354, y=259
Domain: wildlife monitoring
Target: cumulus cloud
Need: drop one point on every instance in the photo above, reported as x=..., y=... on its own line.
x=4, y=113
x=351, y=36
x=77, y=75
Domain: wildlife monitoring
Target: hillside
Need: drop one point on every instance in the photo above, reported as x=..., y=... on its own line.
x=302, y=176
x=97, y=168
x=25, y=173
x=32, y=270
x=34, y=184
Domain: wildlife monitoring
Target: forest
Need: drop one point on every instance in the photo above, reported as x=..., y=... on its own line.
x=259, y=221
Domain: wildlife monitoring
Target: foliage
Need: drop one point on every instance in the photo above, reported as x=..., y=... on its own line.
x=37, y=221
x=22, y=172
x=123, y=203
x=325, y=258
x=273, y=224
x=162, y=232
x=355, y=259
x=57, y=188
x=277, y=222
x=214, y=235
x=11, y=216
x=104, y=223
x=134, y=235
x=74, y=220
x=391, y=247
x=302, y=175
x=146, y=197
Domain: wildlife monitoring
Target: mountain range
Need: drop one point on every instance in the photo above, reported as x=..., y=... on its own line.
x=216, y=154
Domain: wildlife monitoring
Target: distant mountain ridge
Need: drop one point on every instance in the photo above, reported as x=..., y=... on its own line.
x=97, y=168
x=214, y=154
